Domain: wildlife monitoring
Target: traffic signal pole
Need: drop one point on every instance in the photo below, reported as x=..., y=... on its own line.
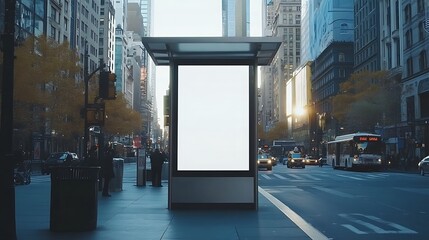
x=86, y=78
x=7, y=161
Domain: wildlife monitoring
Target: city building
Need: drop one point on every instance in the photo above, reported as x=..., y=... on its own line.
x=327, y=35
x=298, y=106
x=367, y=36
x=235, y=18
x=120, y=43
x=140, y=85
x=392, y=61
x=86, y=17
x=107, y=28
x=266, y=83
x=415, y=78
x=332, y=67
x=151, y=128
x=285, y=24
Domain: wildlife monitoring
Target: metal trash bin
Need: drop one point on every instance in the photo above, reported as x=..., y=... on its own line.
x=115, y=184
x=74, y=198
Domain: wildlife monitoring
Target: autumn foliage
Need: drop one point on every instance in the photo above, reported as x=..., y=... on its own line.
x=49, y=94
x=367, y=99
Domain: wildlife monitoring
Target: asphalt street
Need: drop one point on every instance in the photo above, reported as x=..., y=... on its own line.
x=354, y=204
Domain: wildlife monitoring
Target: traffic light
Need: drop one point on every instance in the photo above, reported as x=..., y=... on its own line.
x=107, y=85
x=112, y=86
x=103, y=80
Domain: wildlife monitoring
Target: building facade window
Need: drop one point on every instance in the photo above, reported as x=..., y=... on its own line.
x=53, y=14
x=53, y=32
x=420, y=6
x=407, y=13
x=408, y=38
x=410, y=66
x=66, y=24
x=341, y=57
x=422, y=30
x=422, y=60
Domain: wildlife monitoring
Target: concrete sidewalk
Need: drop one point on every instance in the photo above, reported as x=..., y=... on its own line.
x=142, y=213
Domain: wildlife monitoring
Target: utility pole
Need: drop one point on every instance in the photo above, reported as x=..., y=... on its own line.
x=7, y=161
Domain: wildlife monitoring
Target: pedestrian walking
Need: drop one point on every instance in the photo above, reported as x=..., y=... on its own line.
x=156, y=161
x=107, y=169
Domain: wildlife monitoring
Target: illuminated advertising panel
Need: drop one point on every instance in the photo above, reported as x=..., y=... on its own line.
x=213, y=118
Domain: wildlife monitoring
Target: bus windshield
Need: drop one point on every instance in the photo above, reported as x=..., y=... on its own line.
x=369, y=147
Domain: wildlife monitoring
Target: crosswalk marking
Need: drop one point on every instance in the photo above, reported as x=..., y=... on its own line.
x=334, y=192
x=353, y=229
x=351, y=177
x=296, y=176
x=265, y=176
x=279, y=176
x=372, y=227
x=314, y=178
x=320, y=177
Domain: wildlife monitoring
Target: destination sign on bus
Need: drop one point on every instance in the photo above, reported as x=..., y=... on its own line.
x=367, y=139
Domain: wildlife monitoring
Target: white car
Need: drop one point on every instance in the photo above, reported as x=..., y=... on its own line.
x=424, y=166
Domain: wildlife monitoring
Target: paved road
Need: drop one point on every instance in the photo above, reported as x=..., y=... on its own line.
x=354, y=205
x=344, y=204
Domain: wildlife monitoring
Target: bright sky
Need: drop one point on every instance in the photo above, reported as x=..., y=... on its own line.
x=192, y=18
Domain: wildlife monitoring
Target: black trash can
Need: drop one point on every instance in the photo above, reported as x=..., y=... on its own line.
x=118, y=169
x=74, y=198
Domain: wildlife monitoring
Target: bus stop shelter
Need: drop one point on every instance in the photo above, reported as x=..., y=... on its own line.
x=213, y=98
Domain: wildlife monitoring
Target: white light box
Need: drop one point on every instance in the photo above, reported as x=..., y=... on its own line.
x=213, y=118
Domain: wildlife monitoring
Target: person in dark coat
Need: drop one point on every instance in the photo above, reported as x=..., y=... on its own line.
x=107, y=170
x=156, y=161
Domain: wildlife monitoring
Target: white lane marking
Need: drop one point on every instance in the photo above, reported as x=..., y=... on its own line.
x=372, y=176
x=283, y=189
x=424, y=191
x=334, y=192
x=312, y=232
x=279, y=176
x=346, y=176
x=265, y=176
x=313, y=178
x=353, y=229
x=296, y=176
x=401, y=229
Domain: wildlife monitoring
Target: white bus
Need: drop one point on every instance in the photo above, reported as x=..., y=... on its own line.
x=357, y=150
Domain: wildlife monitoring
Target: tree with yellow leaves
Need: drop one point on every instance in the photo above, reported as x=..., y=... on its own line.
x=121, y=119
x=48, y=94
x=367, y=99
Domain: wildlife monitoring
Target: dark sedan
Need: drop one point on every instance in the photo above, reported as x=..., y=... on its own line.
x=59, y=159
x=295, y=160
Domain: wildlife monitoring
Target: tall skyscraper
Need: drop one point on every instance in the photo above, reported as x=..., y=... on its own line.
x=146, y=10
x=235, y=18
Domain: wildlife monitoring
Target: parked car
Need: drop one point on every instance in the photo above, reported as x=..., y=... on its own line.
x=59, y=159
x=312, y=160
x=265, y=161
x=424, y=166
x=295, y=160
